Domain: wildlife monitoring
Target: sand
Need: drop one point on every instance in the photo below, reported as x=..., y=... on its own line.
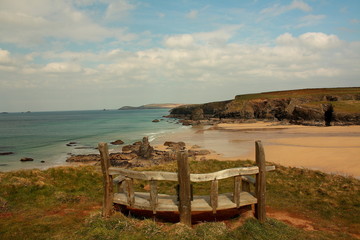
x=334, y=149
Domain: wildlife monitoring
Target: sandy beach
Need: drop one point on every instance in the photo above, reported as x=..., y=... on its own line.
x=334, y=149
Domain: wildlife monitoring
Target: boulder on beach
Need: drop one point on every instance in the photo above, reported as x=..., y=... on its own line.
x=198, y=152
x=130, y=148
x=117, y=142
x=6, y=153
x=175, y=145
x=156, y=120
x=84, y=158
x=26, y=159
x=70, y=144
x=145, y=150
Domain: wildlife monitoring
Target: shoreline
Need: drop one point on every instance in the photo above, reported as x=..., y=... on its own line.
x=334, y=149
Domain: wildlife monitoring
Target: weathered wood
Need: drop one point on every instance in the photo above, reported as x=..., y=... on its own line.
x=145, y=175
x=245, y=186
x=130, y=191
x=214, y=194
x=232, y=172
x=171, y=176
x=184, y=188
x=169, y=203
x=249, y=179
x=153, y=195
x=108, y=181
x=260, y=187
x=237, y=190
x=118, y=183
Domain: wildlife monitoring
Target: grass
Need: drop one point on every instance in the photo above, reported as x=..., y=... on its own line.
x=348, y=106
x=65, y=203
x=316, y=92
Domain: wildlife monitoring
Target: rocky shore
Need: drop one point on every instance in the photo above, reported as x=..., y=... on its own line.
x=140, y=154
x=338, y=106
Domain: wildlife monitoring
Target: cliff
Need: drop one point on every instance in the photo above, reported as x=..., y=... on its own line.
x=340, y=106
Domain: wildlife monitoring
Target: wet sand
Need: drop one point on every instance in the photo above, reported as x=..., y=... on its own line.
x=334, y=149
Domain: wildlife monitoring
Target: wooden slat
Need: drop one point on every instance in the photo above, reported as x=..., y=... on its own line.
x=248, y=179
x=171, y=176
x=214, y=194
x=130, y=191
x=245, y=186
x=153, y=195
x=108, y=181
x=170, y=203
x=184, y=188
x=237, y=190
x=260, y=186
x=144, y=175
x=118, y=183
x=232, y=172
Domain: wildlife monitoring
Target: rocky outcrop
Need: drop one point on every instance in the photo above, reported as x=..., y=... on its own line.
x=26, y=159
x=145, y=150
x=140, y=154
x=175, y=145
x=309, y=106
x=117, y=142
x=6, y=153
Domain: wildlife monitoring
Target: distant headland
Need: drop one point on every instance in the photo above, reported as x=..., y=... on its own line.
x=152, y=106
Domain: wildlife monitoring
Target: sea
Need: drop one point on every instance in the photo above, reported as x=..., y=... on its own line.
x=45, y=136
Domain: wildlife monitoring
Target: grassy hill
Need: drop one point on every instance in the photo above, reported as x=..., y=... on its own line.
x=65, y=203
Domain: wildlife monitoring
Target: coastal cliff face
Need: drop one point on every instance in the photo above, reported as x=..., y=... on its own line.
x=340, y=106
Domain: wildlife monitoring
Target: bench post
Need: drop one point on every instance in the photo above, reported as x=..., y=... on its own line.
x=237, y=190
x=184, y=188
x=214, y=195
x=260, y=187
x=108, y=181
x=153, y=195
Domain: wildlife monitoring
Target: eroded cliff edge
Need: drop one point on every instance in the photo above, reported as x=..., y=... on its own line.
x=325, y=106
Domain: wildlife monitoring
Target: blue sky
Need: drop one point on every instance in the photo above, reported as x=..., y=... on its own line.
x=88, y=54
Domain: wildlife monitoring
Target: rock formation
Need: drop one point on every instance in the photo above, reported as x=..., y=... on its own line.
x=140, y=154
x=309, y=106
x=117, y=142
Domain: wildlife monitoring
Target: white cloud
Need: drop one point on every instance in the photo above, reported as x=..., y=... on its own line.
x=118, y=9
x=4, y=56
x=277, y=9
x=30, y=24
x=310, y=20
x=320, y=40
x=192, y=14
x=311, y=40
x=183, y=62
x=62, y=67
x=183, y=41
x=217, y=37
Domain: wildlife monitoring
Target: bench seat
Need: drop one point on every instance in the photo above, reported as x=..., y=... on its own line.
x=170, y=203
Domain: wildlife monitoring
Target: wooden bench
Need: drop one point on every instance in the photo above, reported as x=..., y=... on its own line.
x=184, y=202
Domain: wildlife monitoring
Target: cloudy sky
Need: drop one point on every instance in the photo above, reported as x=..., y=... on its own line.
x=95, y=54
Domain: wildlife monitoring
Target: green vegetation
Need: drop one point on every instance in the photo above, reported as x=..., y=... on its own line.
x=65, y=203
x=348, y=106
x=301, y=93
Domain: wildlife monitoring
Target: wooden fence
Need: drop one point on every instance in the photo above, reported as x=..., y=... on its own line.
x=185, y=203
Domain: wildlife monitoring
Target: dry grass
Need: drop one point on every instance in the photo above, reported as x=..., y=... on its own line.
x=65, y=203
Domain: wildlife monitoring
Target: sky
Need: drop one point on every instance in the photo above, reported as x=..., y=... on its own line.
x=96, y=54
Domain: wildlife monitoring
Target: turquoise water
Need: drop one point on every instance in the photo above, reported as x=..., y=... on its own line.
x=43, y=135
